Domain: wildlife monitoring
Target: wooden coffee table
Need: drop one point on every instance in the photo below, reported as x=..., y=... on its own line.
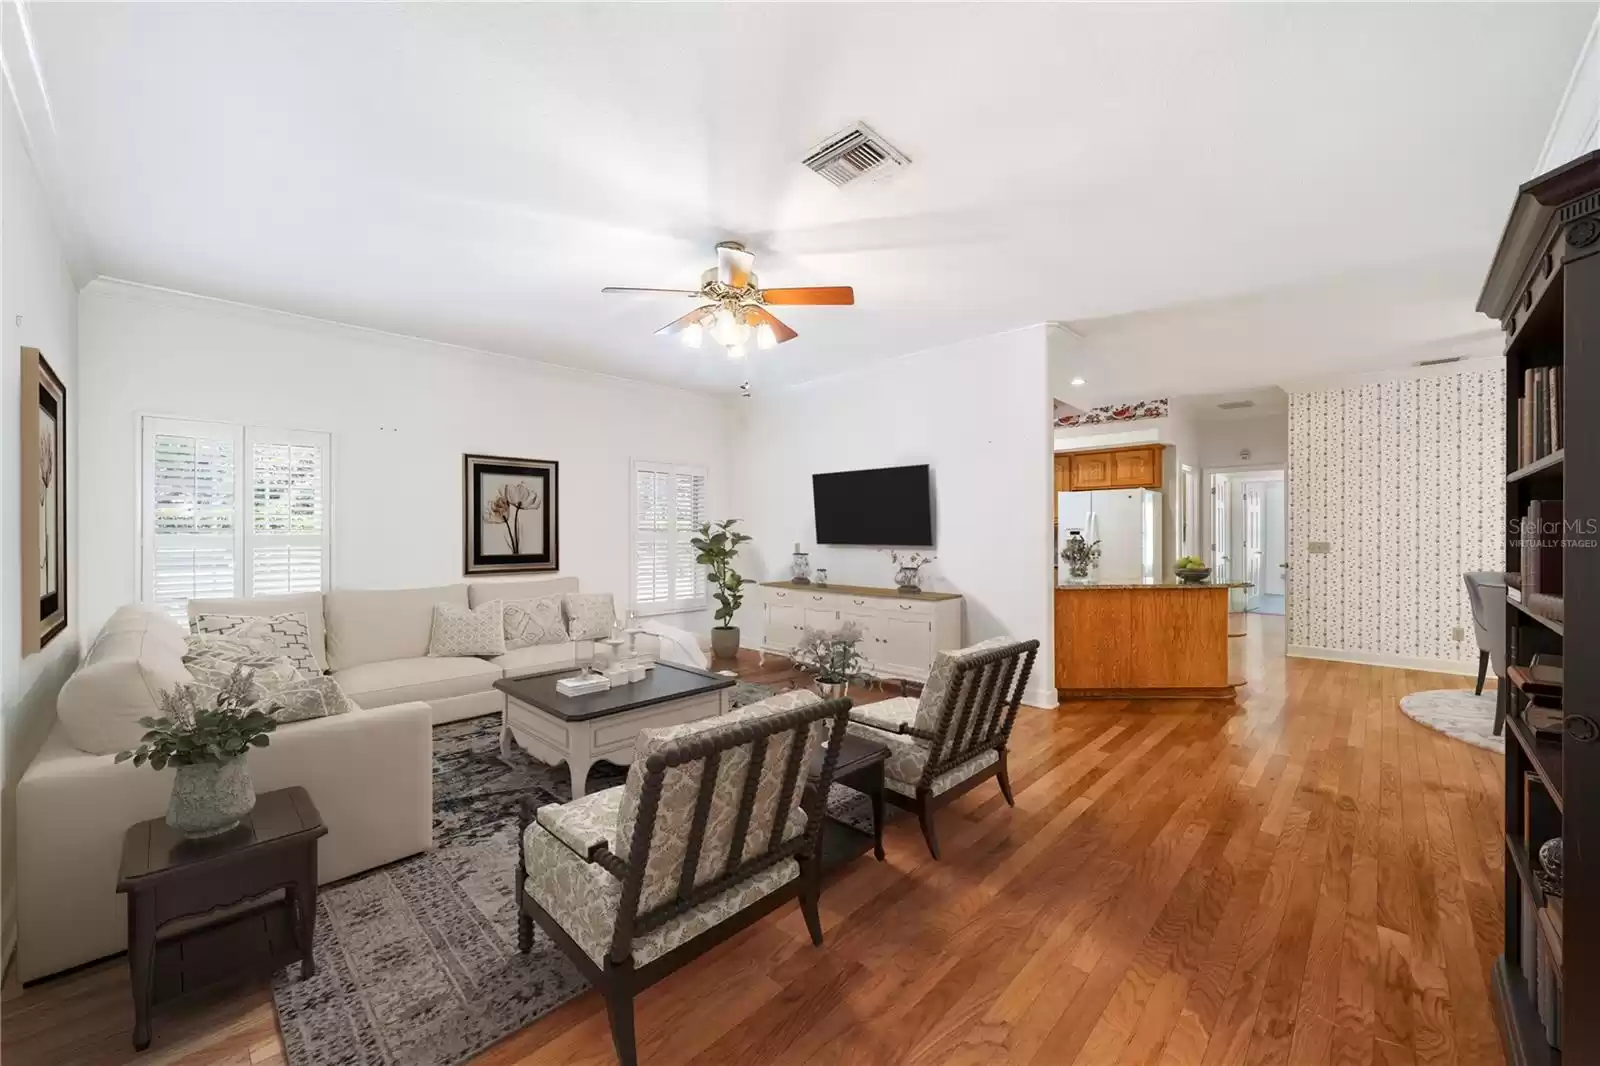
x=583, y=730
x=860, y=767
x=263, y=876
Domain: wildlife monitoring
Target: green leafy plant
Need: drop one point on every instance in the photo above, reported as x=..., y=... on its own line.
x=1191, y=562
x=834, y=657
x=716, y=546
x=200, y=726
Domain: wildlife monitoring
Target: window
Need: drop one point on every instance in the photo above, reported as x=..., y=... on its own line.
x=668, y=504
x=231, y=511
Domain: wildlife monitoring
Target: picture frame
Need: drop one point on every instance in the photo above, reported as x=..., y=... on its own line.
x=43, y=524
x=511, y=520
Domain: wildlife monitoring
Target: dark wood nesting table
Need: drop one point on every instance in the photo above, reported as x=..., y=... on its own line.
x=860, y=767
x=209, y=911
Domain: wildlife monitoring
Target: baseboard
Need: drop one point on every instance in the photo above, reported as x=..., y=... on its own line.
x=8, y=927
x=1041, y=696
x=1378, y=658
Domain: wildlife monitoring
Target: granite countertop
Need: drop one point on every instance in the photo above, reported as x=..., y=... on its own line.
x=1065, y=585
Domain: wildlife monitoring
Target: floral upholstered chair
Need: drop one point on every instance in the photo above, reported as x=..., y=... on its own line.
x=713, y=828
x=954, y=736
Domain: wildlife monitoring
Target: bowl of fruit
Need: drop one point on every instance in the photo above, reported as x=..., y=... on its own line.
x=1192, y=570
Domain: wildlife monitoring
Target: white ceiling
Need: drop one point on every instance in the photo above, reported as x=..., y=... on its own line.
x=1214, y=196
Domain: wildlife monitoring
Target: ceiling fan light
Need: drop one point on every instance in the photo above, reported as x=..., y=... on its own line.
x=692, y=335
x=765, y=338
x=736, y=351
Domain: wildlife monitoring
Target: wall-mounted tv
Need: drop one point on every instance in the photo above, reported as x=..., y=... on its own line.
x=891, y=507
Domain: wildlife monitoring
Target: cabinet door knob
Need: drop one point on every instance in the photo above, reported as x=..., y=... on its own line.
x=780, y=595
x=817, y=598
x=1582, y=728
x=858, y=602
x=905, y=606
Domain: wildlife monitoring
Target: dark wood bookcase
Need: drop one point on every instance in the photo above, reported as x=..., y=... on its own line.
x=1544, y=287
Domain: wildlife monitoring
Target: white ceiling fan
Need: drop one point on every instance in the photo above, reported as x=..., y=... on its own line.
x=735, y=308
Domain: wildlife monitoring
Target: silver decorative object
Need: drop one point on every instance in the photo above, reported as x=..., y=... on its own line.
x=822, y=577
x=908, y=572
x=1079, y=555
x=800, y=567
x=1550, y=855
x=210, y=798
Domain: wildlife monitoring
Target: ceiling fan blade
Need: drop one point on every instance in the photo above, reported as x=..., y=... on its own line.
x=734, y=265
x=816, y=295
x=676, y=325
x=668, y=292
x=767, y=318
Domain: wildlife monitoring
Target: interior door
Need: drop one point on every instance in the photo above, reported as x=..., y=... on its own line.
x=1254, y=535
x=1219, y=528
x=1274, y=548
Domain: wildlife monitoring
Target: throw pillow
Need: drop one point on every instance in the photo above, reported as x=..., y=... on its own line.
x=477, y=630
x=280, y=689
x=536, y=621
x=233, y=649
x=289, y=633
x=590, y=616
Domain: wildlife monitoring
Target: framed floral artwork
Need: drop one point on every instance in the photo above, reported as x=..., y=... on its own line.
x=44, y=503
x=512, y=521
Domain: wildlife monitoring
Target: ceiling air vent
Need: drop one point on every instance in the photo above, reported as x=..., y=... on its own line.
x=1442, y=362
x=855, y=154
x=1235, y=405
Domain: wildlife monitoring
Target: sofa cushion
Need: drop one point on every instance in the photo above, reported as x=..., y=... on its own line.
x=535, y=621
x=138, y=656
x=525, y=588
x=426, y=679
x=468, y=630
x=282, y=691
x=307, y=603
x=289, y=633
x=377, y=625
x=538, y=659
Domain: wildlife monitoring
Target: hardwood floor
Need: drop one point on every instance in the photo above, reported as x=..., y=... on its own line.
x=1305, y=878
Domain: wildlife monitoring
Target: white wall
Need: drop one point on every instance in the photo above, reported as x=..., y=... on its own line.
x=1403, y=475
x=401, y=412
x=979, y=414
x=1266, y=437
x=38, y=309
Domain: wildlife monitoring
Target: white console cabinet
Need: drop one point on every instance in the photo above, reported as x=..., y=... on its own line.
x=902, y=634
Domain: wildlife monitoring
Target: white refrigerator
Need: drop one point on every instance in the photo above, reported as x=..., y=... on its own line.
x=1126, y=522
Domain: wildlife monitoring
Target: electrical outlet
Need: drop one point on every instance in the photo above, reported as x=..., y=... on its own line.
x=1319, y=547
x=1458, y=634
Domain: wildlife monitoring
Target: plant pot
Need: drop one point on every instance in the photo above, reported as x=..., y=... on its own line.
x=908, y=580
x=833, y=690
x=1194, y=577
x=724, y=642
x=210, y=798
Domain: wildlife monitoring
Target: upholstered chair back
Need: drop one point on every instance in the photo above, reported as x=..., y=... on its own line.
x=711, y=803
x=970, y=701
x=1486, y=592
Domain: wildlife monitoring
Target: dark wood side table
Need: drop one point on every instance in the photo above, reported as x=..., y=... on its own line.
x=259, y=878
x=860, y=767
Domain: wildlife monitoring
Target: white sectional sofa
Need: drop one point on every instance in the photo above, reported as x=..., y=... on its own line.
x=368, y=771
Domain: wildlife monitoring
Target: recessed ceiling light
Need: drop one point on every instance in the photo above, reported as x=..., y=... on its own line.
x=1078, y=381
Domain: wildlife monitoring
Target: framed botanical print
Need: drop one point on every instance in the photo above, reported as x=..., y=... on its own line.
x=512, y=520
x=44, y=503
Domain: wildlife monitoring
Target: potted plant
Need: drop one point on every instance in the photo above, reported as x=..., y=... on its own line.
x=1192, y=569
x=834, y=657
x=1079, y=555
x=206, y=735
x=716, y=546
x=908, y=571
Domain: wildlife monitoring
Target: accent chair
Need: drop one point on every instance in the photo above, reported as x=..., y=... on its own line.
x=1486, y=591
x=713, y=829
x=954, y=736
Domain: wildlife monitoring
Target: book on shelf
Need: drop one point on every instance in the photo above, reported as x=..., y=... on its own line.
x=1539, y=414
x=1542, y=530
x=1537, y=680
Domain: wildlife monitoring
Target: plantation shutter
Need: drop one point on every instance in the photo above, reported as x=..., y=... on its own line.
x=231, y=511
x=668, y=506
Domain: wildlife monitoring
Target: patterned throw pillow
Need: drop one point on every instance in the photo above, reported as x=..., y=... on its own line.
x=537, y=621
x=233, y=649
x=477, y=630
x=590, y=616
x=289, y=633
x=281, y=690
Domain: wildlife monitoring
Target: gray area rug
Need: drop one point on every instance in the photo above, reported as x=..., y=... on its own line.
x=1458, y=713
x=417, y=962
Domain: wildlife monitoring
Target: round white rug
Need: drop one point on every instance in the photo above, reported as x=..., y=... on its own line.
x=1458, y=713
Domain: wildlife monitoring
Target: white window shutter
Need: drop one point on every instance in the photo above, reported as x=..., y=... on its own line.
x=668, y=506
x=230, y=511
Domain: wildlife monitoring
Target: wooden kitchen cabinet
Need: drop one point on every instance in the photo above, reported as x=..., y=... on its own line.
x=1138, y=467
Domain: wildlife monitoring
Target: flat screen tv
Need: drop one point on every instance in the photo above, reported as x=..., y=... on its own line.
x=891, y=507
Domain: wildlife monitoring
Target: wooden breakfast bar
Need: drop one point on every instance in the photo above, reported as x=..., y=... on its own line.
x=1147, y=640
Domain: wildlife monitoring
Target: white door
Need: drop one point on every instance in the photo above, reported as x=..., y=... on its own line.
x=784, y=622
x=1274, y=540
x=1254, y=534
x=907, y=646
x=1219, y=528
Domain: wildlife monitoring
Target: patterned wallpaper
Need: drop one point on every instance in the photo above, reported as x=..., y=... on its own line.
x=1406, y=481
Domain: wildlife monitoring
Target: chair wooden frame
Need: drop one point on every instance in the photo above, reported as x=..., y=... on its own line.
x=618, y=979
x=980, y=704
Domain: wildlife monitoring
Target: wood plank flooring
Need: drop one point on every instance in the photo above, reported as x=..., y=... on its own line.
x=1304, y=878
